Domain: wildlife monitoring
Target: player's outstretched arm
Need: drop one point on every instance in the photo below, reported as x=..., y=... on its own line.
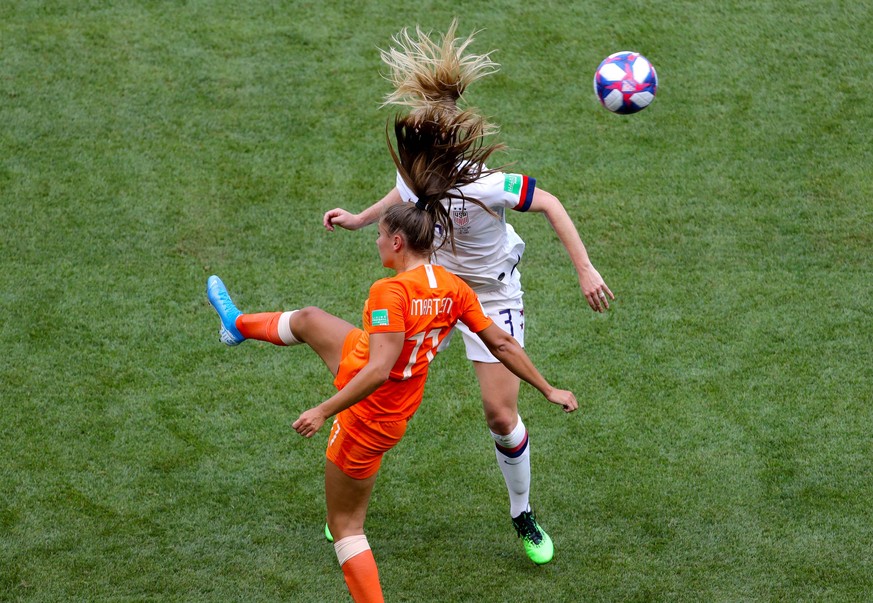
x=590, y=281
x=513, y=356
x=345, y=219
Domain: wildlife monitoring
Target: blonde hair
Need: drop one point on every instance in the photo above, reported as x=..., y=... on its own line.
x=430, y=74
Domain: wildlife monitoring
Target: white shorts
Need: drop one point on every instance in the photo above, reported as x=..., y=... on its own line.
x=505, y=307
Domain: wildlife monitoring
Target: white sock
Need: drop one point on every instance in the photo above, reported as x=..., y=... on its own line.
x=350, y=546
x=285, y=333
x=513, y=458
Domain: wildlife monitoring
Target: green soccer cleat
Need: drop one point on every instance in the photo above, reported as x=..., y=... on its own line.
x=537, y=543
x=327, y=535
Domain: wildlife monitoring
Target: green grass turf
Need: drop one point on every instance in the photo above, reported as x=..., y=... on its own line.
x=723, y=452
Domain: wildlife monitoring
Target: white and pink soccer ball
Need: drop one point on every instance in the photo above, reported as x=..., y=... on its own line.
x=625, y=82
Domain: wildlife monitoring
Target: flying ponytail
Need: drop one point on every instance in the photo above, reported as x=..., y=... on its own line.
x=438, y=154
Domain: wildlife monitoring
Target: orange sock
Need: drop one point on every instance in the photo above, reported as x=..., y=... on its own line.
x=263, y=326
x=362, y=578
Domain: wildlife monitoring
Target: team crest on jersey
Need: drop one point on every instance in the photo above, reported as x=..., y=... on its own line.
x=460, y=216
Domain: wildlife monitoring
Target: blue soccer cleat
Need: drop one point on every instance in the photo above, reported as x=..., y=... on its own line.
x=227, y=311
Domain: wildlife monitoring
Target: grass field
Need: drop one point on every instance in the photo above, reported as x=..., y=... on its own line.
x=723, y=452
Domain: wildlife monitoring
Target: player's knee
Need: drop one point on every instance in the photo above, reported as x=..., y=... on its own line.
x=344, y=524
x=501, y=419
x=307, y=313
x=303, y=320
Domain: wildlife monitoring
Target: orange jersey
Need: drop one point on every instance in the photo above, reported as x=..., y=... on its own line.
x=423, y=303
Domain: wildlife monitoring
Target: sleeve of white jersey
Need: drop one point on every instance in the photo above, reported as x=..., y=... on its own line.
x=500, y=189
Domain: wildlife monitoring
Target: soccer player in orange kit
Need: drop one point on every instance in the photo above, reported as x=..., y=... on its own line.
x=380, y=370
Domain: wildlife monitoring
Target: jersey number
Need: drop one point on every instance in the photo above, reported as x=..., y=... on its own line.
x=508, y=320
x=419, y=338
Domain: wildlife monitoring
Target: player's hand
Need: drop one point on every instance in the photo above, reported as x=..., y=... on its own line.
x=563, y=398
x=596, y=293
x=342, y=218
x=309, y=422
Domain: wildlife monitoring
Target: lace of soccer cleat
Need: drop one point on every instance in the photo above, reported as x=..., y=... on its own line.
x=537, y=543
x=227, y=311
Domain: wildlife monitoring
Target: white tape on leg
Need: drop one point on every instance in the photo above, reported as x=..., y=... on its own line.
x=350, y=546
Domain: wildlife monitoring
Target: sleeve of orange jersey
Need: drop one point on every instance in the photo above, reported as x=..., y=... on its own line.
x=472, y=314
x=387, y=306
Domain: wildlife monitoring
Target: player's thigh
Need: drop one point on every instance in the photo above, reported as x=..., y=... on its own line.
x=347, y=500
x=354, y=453
x=498, y=385
x=499, y=388
x=323, y=332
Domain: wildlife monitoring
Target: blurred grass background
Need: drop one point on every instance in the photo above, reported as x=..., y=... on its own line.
x=723, y=450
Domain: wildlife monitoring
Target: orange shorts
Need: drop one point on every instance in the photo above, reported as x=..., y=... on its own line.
x=356, y=445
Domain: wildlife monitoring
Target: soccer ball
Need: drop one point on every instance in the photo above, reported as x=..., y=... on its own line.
x=625, y=82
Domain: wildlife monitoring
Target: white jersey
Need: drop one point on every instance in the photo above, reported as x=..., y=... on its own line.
x=487, y=248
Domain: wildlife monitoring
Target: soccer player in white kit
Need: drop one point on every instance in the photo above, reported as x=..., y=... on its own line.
x=427, y=74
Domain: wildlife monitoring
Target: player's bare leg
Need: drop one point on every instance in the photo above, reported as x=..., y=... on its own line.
x=499, y=388
x=347, y=500
x=323, y=332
